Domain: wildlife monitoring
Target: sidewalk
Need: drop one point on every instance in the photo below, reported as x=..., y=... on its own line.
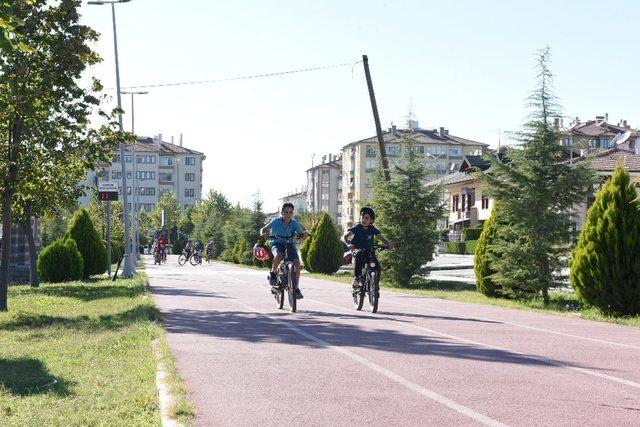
x=450, y=262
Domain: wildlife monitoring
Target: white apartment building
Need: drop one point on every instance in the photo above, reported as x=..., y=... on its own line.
x=297, y=198
x=324, y=187
x=160, y=167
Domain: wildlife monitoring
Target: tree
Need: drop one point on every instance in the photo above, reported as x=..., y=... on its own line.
x=40, y=93
x=325, y=250
x=10, y=38
x=209, y=218
x=171, y=206
x=89, y=243
x=536, y=191
x=605, y=269
x=483, y=259
x=304, y=248
x=407, y=212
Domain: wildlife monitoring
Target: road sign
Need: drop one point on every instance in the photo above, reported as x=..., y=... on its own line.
x=107, y=191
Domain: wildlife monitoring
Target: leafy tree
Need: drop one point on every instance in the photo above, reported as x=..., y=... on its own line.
x=536, y=191
x=10, y=38
x=169, y=202
x=45, y=111
x=60, y=261
x=209, y=218
x=325, y=250
x=605, y=269
x=482, y=262
x=54, y=224
x=89, y=243
x=407, y=212
x=97, y=211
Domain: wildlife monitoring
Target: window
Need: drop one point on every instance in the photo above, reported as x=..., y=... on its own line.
x=485, y=202
x=116, y=175
x=115, y=158
x=129, y=193
x=368, y=182
x=325, y=184
x=166, y=161
x=189, y=176
x=455, y=203
x=325, y=196
x=566, y=142
x=145, y=159
x=371, y=151
x=455, y=152
x=147, y=191
x=128, y=158
x=190, y=161
x=435, y=151
x=604, y=142
x=325, y=208
x=163, y=192
x=393, y=151
x=129, y=175
x=370, y=165
x=166, y=176
x=418, y=149
x=189, y=192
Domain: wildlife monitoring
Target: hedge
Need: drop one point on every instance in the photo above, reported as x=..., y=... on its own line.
x=454, y=248
x=472, y=233
x=471, y=246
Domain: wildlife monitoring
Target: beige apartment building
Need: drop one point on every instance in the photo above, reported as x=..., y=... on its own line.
x=160, y=167
x=324, y=187
x=440, y=151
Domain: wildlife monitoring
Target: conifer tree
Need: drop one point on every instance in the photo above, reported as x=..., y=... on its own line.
x=482, y=262
x=407, y=212
x=325, y=251
x=304, y=248
x=605, y=268
x=537, y=192
x=89, y=243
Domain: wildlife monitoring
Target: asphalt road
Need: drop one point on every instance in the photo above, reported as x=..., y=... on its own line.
x=418, y=361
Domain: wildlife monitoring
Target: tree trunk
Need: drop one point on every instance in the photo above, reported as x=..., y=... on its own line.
x=7, y=197
x=34, y=279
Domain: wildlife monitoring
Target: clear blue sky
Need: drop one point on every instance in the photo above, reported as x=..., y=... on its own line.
x=465, y=65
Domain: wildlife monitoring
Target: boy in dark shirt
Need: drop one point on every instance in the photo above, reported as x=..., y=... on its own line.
x=360, y=237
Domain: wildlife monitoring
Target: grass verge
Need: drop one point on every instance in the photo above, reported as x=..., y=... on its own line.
x=79, y=353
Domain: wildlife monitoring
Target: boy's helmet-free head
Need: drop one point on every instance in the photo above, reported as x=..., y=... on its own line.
x=369, y=211
x=260, y=252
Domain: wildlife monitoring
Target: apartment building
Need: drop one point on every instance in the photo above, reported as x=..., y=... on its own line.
x=298, y=198
x=440, y=151
x=597, y=134
x=324, y=187
x=160, y=167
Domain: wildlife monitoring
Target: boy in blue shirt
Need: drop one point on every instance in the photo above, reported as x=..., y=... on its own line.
x=282, y=227
x=360, y=237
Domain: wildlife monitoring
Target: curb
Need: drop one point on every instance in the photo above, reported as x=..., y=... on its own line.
x=164, y=397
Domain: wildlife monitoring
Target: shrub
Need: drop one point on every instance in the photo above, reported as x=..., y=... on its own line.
x=325, y=250
x=93, y=251
x=482, y=260
x=605, y=270
x=454, y=248
x=470, y=246
x=444, y=234
x=177, y=247
x=304, y=249
x=61, y=261
x=472, y=233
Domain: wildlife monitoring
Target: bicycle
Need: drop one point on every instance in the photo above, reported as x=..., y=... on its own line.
x=369, y=280
x=286, y=277
x=184, y=257
x=196, y=258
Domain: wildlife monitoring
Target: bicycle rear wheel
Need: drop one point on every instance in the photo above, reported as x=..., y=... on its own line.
x=195, y=259
x=291, y=289
x=182, y=259
x=279, y=296
x=374, y=291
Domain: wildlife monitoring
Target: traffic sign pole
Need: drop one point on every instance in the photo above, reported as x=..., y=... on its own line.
x=109, y=236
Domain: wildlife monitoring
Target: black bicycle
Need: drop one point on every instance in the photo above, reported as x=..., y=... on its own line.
x=286, y=276
x=369, y=281
x=196, y=258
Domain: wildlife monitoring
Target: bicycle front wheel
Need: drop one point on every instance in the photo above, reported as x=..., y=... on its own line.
x=182, y=259
x=291, y=289
x=358, y=297
x=195, y=259
x=374, y=292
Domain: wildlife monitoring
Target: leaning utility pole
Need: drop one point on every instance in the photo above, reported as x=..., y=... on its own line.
x=376, y=118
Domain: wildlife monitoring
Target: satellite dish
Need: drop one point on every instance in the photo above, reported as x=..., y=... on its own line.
x=623, y=137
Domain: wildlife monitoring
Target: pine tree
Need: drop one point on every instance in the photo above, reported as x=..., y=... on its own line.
x=304, y=248
x=407, y=212
x=536, y=191
x=482, y=263
x=605, y=268
x=325, y=251
x=94, y=254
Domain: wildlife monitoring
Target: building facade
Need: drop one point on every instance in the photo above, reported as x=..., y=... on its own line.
x=441, y=152
x=597, y=135
x=324, y=188
x=297, y=198
x=160, y=167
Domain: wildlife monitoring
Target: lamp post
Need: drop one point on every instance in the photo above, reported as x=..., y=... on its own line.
x=134, y=183
x=128, y=270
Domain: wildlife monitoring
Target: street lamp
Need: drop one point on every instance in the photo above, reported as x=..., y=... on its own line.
x=134, y=184
x=128, y=270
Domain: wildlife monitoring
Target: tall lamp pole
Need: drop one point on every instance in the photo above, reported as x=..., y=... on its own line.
x=134, y=184
x=128, y=269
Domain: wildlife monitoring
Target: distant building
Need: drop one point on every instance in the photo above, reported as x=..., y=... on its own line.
x=298, y=199
x=441, y=152
x=160, y=167
x=597, y=134
x=324, y=187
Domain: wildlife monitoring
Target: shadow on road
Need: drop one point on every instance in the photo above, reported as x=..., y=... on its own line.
x=166, y=290
x=258, y=328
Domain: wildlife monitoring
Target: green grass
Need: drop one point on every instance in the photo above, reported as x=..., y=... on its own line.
x=94, y=339
x=562, y=303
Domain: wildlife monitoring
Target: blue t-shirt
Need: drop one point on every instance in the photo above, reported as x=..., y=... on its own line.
x=278, y=228
x=363, y=239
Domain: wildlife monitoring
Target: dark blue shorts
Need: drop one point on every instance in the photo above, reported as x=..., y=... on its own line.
x=278, y=248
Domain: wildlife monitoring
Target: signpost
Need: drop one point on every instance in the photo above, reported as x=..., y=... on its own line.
x=108, y=191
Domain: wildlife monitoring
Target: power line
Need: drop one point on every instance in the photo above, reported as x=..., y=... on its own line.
x=256, y=76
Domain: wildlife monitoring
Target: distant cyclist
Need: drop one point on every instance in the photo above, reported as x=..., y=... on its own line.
x=209, y=250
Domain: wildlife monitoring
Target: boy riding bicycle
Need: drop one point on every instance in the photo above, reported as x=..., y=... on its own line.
x=359, y=239
x=280, y=228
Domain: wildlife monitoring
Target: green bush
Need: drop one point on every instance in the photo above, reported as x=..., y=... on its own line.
x=177, y=247
x=304, y=248
x=472, y=233
x=605, y=269
x=61, y=261
x=241, y=253
x=444, y=234
x=93, y=251
x=454, y=248
x=471, y=246
x=325, y=250
x=482, y=260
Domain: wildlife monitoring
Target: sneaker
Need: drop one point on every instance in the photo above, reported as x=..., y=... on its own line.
x=356, y=284
x=298, y=294
x=273, y=281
